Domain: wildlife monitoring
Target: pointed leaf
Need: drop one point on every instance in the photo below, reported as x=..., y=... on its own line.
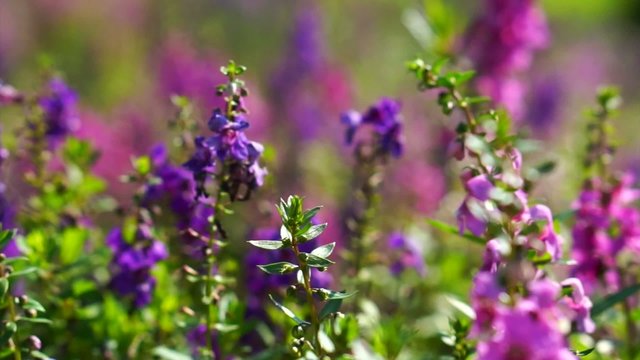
x=314, y=231
x=317, y=261
x=267, y=244
x=288, y=312
x=5, y=237
x=582, y=353
x=26, y=271
x=611, y=300
x=278, y=268
x=9, y=329
x=4, y=287
x=309, y=214
x=33, y=304
x=324, y=251
x=444, y=227
x=165, y=353
x=332, y=306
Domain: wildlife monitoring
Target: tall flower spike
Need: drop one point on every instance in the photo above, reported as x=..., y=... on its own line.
x=512, y=293
x=228, y=155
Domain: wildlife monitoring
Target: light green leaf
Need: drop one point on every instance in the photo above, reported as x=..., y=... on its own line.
x=288, y=312
x=278, y=268
x=324, y=251
x=267, y=244
x=314, y=231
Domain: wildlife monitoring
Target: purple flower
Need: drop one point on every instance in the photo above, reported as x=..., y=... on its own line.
x=178, y=188
x=501, y=42
x=197, y=338
x=132, y=263
x=60, y=111
x=606, y=224
x=229, y=147
x=523, y=335
x=405, y=255
x=579, y=304
x=384, y=119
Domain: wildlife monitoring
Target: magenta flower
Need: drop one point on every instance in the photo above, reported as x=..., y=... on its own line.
x=501, y=42
x=521, y=334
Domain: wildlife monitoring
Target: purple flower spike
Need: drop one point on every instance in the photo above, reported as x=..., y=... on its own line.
x=60, y=111
x=384, y=119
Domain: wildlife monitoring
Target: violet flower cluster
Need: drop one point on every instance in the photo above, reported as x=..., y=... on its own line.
x=405, y=255
x=133, y=260
x=178, y=188
x=501, y=43
x=228, y=154
x=60, y=111
x=385, y=121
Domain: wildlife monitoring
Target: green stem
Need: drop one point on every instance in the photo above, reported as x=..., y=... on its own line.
x=315, y=321
x=17, y=355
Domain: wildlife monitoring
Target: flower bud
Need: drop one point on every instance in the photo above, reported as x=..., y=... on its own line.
x=34, y=342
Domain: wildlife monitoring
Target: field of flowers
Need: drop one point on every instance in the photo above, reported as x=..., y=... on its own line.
x=379, y=179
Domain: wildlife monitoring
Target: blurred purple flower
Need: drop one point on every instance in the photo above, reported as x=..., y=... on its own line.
x=405, y=254
x=522, y=334
x=543, y=109
x=132, y=263
x=7, y=211
x=384, y=119
x=607, y=222
x=60, y=111
x=501, y=42
x=197, y=338
x=306, y=88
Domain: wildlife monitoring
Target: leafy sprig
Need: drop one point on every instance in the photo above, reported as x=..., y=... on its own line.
x=298, y=228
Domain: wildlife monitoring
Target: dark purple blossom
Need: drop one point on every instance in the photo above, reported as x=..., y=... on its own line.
x=230, y=148
x=178, y=188
x=132, y=263
x=384, y=119
x=60, y=111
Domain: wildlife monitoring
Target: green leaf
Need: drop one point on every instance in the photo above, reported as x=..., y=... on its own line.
x=72, y=245
x=165, y=353
x=9, y=329
x=324, y=251
x=4, y=287
x=35, y=320
x=332, y=306
x=444, y=227
x=317, y=261
x=6, y=236
x=23, y=272
x=4, y=353
x=267, y=244
x=314, y=231
x=142, y=165
x=288, y=312
x=40, y=355
x=476, y=144
x=309, y=214
x=461, y=306
x=279, y=268
x=611, y=300
x=33, y=304
x=582, y=353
